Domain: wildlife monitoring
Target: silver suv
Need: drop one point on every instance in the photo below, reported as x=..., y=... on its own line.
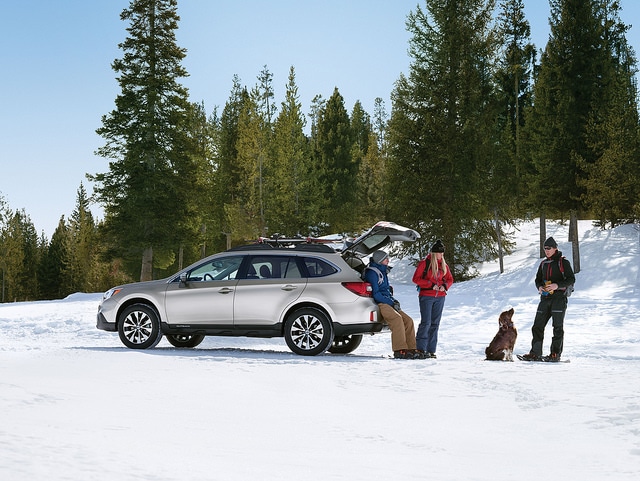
x=308, y=293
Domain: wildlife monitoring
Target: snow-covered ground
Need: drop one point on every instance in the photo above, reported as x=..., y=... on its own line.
x=76, y=405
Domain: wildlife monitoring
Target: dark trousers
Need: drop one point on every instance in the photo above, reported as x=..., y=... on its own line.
x=550, y=307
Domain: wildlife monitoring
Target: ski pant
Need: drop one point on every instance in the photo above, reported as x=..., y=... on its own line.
x=430, y=314
x=550, y=307
x=403, y=331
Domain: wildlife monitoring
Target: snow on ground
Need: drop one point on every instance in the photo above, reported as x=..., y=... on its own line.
x=76, y=405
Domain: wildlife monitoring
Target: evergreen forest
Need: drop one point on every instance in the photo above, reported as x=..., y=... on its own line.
x=484, y=129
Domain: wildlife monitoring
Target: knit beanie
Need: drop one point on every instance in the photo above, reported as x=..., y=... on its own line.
x=379, y=256
x=438, y=246
x=551, y=242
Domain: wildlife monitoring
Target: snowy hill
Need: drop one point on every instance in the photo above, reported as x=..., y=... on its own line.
x=75, y=404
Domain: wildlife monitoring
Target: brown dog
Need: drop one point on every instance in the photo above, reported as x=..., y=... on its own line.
x=501, y=348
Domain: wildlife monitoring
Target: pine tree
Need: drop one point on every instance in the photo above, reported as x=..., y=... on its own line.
x=338, y=169
x=55, y=269
x=515, y=83
x=293, y=200
x=11, y=252
x=566, y=92
x=371, y=203
x=82, y=247
x=380, y=123
x=370, y=182
x=441, y=133
x=584, y=81
x=146, y=135
x=19, y=255
x=246, y=212
x=226, y=174
x=611, y=182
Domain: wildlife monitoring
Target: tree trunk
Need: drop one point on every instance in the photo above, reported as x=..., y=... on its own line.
x=203, y=246
x=575, y=242
x=146, y=273
x=499, y=237
x=543, y=234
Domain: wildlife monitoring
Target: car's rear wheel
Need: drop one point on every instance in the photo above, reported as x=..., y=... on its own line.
x=139, y=327
x=184, y=340
x=308, y=332
x=345, y=344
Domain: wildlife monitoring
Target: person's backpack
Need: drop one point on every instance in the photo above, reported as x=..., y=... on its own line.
x=374, y=269
x=569, y=289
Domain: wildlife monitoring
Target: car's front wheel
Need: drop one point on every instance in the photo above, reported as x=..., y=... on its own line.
x=308, y=332
x=184, y=340
x=345, y=344
x=139, y=327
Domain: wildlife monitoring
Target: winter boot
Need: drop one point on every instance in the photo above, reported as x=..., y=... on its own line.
x=532, y=356
x=403, y=354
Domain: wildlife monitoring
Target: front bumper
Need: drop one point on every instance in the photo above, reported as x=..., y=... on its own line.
x=104, y=325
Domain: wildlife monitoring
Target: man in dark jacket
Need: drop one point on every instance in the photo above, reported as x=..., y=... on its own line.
x=403, y=334
x=553, y=278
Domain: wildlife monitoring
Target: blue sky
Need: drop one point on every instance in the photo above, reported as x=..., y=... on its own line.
x=57, y=81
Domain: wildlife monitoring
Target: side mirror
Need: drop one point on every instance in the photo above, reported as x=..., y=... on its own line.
x=183, y=279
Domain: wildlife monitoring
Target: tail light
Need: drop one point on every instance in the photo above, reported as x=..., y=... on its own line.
x=362, y=289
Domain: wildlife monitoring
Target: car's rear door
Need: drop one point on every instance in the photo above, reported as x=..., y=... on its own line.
x=379, y=236
x=271, y=283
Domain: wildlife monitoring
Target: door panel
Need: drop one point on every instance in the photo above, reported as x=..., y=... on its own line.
x=208, y=295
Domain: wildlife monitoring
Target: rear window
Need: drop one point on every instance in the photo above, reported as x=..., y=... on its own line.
x=273, y=267
x=317, y=267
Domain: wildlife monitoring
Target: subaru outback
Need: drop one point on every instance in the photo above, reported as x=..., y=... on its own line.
x=307, y=292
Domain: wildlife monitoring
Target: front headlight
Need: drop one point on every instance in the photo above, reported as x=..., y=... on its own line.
x=111, y=292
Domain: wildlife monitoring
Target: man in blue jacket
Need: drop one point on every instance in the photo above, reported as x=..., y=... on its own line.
x=403, y=334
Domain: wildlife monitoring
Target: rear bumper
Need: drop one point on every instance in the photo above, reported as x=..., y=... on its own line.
x=368, y=328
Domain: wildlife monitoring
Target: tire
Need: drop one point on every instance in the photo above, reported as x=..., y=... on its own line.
x=345, y=344
x=184, y=340
x=139, y=327
x=308, y=332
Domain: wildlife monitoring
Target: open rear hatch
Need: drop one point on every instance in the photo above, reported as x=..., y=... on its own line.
x=377, y=237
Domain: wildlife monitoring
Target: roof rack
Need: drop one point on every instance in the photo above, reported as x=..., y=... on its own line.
x=314, y=248
x=277, y=240
x=248, y=247
x=311, y=244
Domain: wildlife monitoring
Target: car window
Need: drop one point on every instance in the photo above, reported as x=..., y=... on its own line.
x=219, y=269
x=290, y=269
x=317, y=267
x=273, y=267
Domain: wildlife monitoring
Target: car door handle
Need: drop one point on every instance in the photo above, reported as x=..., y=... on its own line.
x=289, y=287
x=225, y=290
